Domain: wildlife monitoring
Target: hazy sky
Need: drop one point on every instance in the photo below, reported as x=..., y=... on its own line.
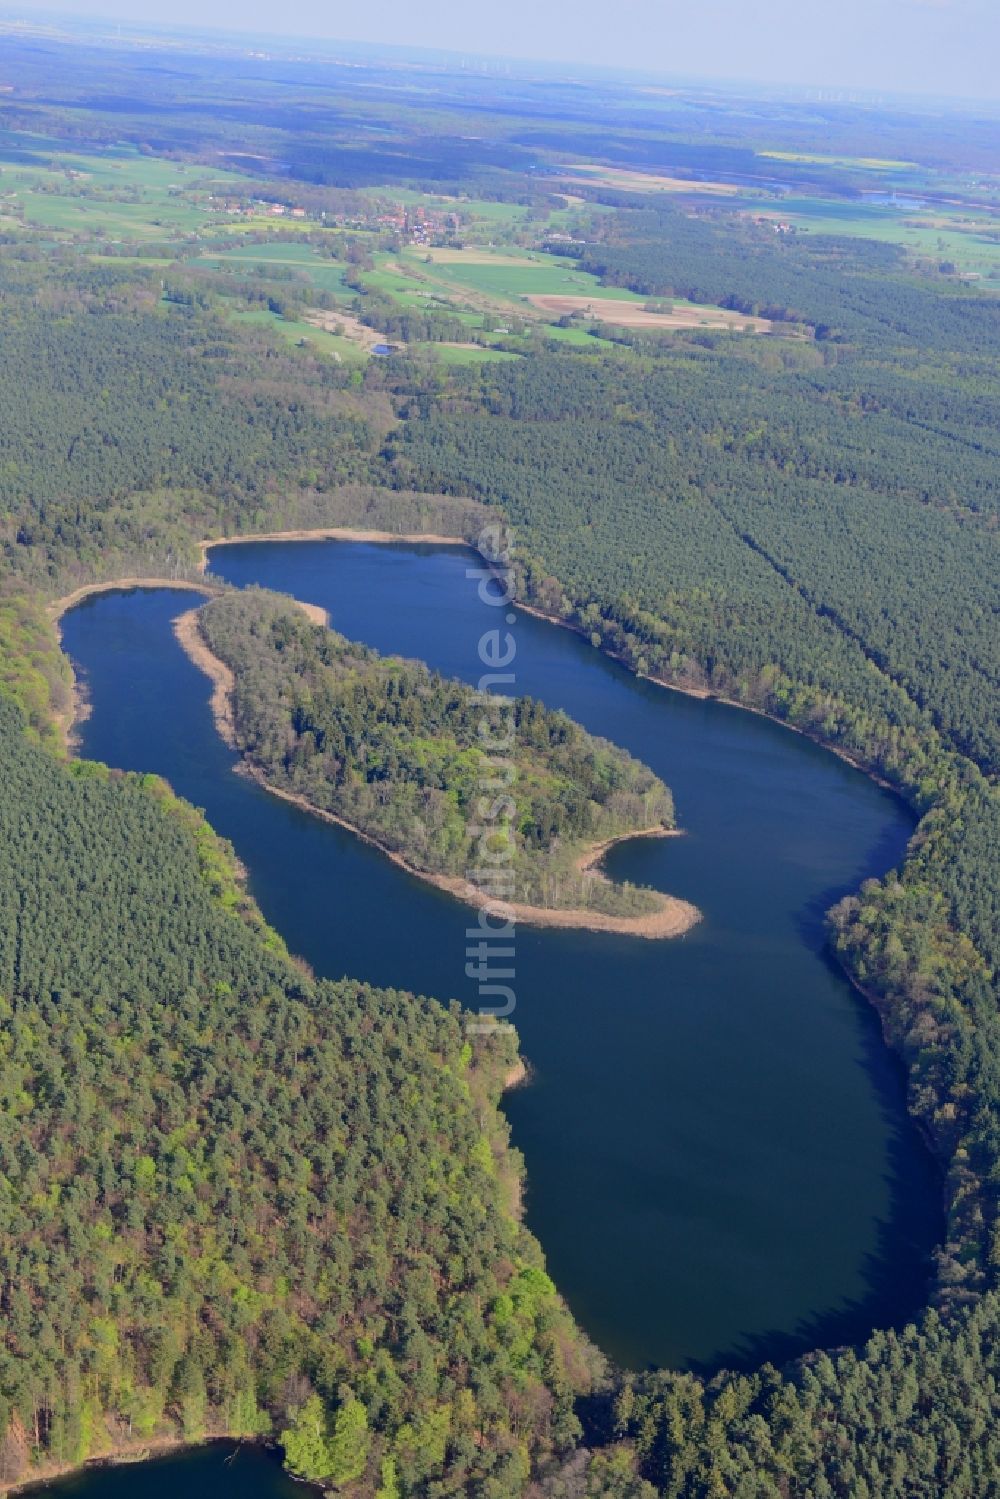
x=923, y=46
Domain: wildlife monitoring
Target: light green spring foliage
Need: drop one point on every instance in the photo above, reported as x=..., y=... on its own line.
x=398, y=751
x=230, y=1181
x=33, y=672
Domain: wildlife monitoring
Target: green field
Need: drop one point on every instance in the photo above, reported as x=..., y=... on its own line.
x=75, y=215
x=232, y=228
x=411, y=285
x=931, y=232
x=116, y=193
x=469, y=289
x=297, y=332
x=862, y=163
x=325, y=274
x=454, y=354
x=548, y=275
x=349, y=352
x=578, y=337
x=111, y=194
x=423, y=288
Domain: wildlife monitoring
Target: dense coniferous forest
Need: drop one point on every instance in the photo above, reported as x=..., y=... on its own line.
x=133, y=425
x=705, y=544
x=398, y=751
x=236, y=1199
x=725, y=487
x=645, y=559
x=847, y=291
x=227, y=1188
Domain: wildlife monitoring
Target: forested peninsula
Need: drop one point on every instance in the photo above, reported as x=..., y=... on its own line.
x=234, y=1198
x=491, y=797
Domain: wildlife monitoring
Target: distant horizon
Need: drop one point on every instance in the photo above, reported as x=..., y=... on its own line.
x=246, y=22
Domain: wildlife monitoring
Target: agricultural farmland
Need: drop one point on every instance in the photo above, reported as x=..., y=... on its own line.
x=625, y=313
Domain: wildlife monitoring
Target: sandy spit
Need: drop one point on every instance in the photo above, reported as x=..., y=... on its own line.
x=673, y=919
x=190, y=640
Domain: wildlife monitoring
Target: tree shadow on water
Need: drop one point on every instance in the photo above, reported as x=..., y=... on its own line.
x=898, y=1270
x=886, y=851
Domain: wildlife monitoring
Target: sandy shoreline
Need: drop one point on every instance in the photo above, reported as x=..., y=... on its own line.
x=314, y=613
x=673, y=919
x=517, y=1076
x=320, y=616
x=708, y=695
x=588, y=861
x=129, y=1453
x=58, y=607
x=189, y=638
x=330, y=533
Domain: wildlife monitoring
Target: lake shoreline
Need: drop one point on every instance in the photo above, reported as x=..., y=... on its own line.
x=677, y=916
x=331, y=533
x=189, y=638
x=58, y=608
x=348, y=584
x=708, y=695
x=78, y=709
x=587, y=862
x=880, y=1004
x=134, y=1451
x=672, y=919
x=704, y=694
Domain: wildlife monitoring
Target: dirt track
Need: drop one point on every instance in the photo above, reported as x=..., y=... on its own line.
x=348, y=325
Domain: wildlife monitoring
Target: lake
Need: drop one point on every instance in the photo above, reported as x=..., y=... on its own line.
x=217, y=1470
x=720, y=1167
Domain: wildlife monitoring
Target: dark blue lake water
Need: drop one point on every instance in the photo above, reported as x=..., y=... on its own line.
x=720, y=1165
